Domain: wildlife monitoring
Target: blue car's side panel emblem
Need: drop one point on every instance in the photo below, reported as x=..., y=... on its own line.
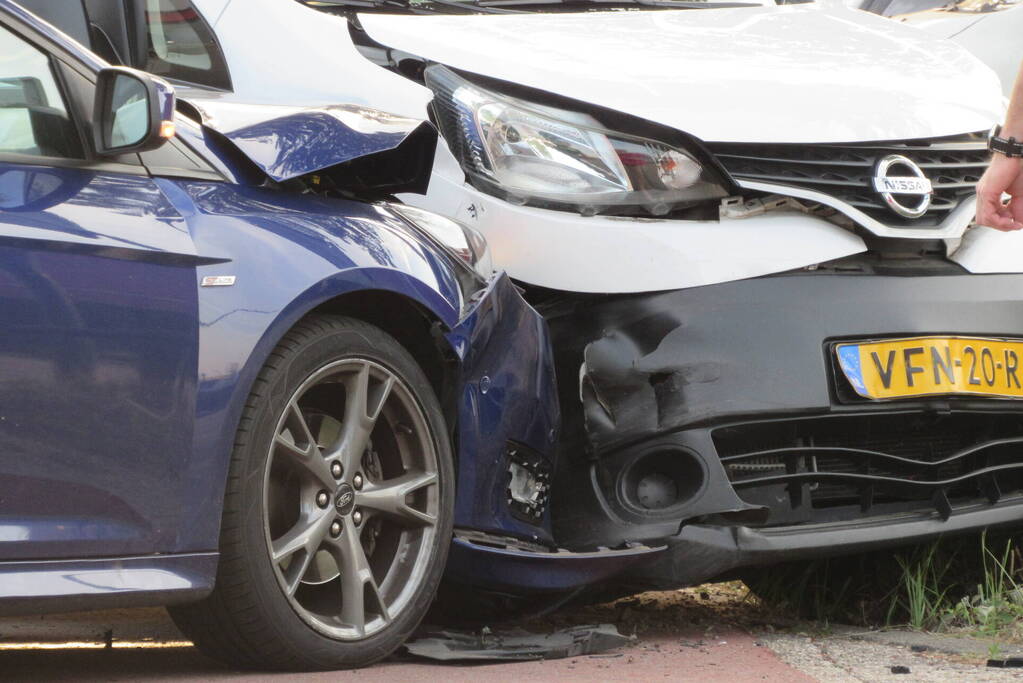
x=217, y=281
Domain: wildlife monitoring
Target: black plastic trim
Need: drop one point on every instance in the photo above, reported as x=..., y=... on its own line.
x=701, y=552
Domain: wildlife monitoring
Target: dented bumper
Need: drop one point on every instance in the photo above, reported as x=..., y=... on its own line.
x=714, y=419
x=702, y=551
x=507, y=410
x=507, y=422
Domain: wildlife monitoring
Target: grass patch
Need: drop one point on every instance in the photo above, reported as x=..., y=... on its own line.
x=972, y=585
x=995, y=607
x=924, y=593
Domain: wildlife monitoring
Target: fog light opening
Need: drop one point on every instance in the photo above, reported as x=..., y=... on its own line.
x=660, y=478
x=656, y=491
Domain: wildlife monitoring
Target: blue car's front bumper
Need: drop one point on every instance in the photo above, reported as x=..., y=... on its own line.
x=507, y=403
x=508, y=412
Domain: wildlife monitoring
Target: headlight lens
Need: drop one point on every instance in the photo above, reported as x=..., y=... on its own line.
x=540, y=155
x=467, y=245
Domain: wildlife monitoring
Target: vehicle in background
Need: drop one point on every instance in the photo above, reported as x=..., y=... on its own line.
x=776, y=336
x=990, y=29
x=237, y=380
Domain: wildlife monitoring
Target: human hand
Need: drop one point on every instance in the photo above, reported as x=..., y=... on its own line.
x=1004, y=175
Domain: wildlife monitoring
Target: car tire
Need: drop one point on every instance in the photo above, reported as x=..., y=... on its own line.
x=313, y=576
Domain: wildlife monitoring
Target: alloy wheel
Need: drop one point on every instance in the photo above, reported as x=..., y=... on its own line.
x=351, y=498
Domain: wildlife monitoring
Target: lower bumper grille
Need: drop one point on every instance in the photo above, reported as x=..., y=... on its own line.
x=954, y=165
x=801, y=469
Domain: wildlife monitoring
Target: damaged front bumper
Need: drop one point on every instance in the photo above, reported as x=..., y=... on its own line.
x=714, y=420
x=507, y=432
x=701, y=551
x=507, y=412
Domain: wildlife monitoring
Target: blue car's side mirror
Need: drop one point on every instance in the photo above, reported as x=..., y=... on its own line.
x=134, y=111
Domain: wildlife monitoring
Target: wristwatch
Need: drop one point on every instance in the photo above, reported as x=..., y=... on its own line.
x=1007, y=147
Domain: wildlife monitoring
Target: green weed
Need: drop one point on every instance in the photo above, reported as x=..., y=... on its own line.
x=994, y=607
x=972, y=585
x=925, y=589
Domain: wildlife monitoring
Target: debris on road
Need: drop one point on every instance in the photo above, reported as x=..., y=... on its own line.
x=516, y=644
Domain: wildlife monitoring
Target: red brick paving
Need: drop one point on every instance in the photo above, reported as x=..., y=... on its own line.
x=730, y=655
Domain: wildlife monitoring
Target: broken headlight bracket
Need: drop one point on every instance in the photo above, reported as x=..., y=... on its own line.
x=738, y=207
x=529, y=483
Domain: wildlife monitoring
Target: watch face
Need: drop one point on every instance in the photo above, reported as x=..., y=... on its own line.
x=995, y=131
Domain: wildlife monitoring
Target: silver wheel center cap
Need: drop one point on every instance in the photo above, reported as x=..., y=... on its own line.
x=344, y=499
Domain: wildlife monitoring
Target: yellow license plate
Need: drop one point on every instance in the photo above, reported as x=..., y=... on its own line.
x=900, y=368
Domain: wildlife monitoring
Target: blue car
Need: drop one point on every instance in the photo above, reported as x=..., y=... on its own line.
x=237, y=379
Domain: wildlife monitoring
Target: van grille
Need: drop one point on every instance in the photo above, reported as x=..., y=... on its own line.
x=953, y=164
x=919, y=460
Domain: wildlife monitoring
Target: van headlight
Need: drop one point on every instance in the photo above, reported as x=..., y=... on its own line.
x=529, y=153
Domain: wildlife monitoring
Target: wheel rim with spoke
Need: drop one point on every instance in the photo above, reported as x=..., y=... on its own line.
x=351, y=498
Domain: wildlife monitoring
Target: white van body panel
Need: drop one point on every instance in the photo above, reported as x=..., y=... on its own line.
x=763, y=74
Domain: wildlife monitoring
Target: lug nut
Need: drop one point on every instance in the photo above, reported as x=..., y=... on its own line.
x=322, y=499
x=357, y=516
x=335, y=529
x=357, y=482
x=335, y=469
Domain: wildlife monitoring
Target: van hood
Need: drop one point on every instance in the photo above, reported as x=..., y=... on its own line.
x=788, y=74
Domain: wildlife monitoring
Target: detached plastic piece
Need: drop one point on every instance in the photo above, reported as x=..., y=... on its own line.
x=516, y=645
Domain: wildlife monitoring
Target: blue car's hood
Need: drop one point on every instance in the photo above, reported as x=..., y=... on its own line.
x=289, y=142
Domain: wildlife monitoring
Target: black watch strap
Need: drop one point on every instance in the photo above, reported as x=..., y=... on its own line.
x=1009, y=147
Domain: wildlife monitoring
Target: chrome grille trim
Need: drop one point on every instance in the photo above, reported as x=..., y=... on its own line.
x=844, y=172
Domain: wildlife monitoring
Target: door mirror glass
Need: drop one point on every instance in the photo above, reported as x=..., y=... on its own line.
x=129, y=112
x=134, y=111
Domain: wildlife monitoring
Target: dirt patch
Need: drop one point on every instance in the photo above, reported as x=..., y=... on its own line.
x=710, y=606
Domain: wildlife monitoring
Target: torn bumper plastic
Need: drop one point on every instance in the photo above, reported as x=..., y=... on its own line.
x=720, y=411
x=702, y=551
x=515, y=645
x=652, y=364
x=507, y=410
x=487, y=563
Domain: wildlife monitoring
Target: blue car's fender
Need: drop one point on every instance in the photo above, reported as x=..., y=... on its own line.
x=287, y=255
